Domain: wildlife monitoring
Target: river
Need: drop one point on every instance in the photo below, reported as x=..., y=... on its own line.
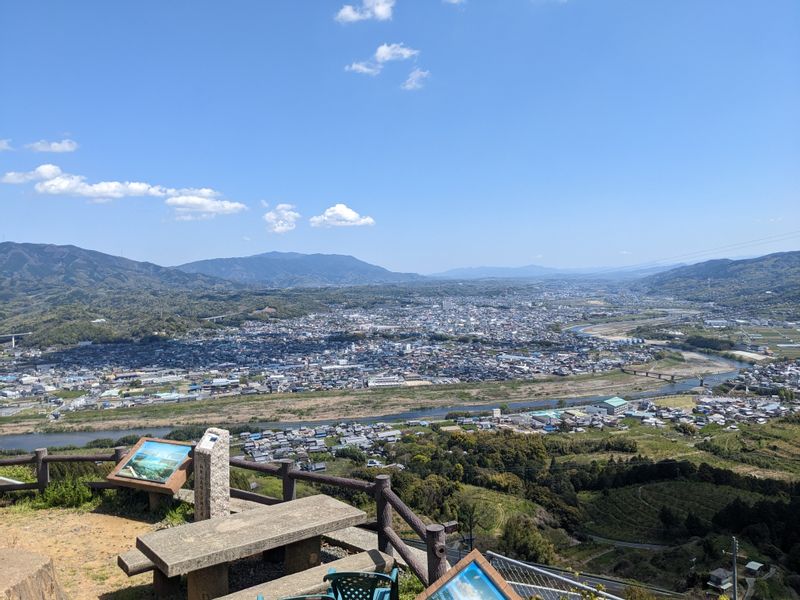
x=31, y=441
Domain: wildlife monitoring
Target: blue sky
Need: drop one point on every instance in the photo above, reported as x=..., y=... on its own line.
x=416, y=134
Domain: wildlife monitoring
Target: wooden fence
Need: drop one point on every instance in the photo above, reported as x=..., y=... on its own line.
x=386, y=500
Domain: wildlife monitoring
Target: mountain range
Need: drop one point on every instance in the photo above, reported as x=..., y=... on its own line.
x=292, y=269
x=765, y=280
x=539, y=272
x=68, y=294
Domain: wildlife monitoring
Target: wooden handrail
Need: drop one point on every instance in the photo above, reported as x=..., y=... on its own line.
x=353, y=484
x=404, y=511
x=420, y=570
x=386, y=499
x=64, y=458
x=238, y=461
x=17, y=460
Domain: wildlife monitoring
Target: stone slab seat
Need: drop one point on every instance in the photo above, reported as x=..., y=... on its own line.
x=356, y=539
x=133, y=562
x=310, y=581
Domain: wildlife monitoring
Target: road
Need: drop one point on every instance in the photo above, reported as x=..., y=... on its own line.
x=623, y=544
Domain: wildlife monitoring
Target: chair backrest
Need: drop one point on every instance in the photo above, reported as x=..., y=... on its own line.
x=355, y=586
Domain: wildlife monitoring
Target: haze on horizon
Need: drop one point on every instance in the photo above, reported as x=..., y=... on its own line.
x=420, y=137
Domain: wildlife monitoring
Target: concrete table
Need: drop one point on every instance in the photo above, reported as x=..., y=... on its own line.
x=202, y=550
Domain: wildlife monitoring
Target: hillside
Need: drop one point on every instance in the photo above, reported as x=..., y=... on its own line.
x=37, y=268
x=65, y=294
x=771, y=280
x=292, y=269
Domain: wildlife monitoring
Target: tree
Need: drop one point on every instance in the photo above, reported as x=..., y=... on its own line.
x=522, y=539
x=473, y=513
x=669, y=519
x=694, y=525
x=638, y=593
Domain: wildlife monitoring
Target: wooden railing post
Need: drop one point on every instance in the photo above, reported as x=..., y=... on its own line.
x=42, y=469
x=119, y=453
x=437, y=552
x=383, y=482
x=289, y=492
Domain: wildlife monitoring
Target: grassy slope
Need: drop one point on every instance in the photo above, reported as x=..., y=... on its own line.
x=631, y=513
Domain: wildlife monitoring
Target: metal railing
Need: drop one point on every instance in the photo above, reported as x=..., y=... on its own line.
x=531, y=581
x=386, y=500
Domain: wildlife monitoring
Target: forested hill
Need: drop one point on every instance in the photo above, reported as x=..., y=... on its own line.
x=65, y=294
x=37, y=268
x=292, y=269
x=769, y=280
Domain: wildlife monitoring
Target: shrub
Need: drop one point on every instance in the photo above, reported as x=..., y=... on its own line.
x=65, y=493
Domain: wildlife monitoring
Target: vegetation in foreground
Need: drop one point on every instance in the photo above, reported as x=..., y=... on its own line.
x=541, y=498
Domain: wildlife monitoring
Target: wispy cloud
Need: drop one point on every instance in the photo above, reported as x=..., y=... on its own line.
x=5, y=145
x=377, y=10
x=385, y=53
x=189, y=203
x=194, y=208
x=454, y=1
x=365, y=68
x=282, y=219
x=416, y=79
x=65, y=145
x=340, y=215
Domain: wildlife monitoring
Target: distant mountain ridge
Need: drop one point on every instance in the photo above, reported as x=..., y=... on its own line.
x=293, y=269
x=771, y=279
x=34, y=268
x=539, y=272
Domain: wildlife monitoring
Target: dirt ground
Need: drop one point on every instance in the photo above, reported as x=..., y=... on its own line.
x=84, y=548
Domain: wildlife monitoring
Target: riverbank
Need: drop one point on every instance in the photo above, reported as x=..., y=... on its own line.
x=392, y=403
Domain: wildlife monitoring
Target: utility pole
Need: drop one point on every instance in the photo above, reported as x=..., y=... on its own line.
x=735, y=570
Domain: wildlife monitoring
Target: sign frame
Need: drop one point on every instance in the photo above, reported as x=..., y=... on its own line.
x=172, y=484
x=503, y=589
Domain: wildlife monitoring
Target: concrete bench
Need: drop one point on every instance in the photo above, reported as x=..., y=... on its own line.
x=133, y=562
x=310, y=580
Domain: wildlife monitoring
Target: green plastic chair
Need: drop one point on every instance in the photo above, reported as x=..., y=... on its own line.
x=364, y=586
x=308, y=597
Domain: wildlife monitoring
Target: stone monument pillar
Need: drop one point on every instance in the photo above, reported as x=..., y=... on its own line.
x=212, y=490
x=212, y=498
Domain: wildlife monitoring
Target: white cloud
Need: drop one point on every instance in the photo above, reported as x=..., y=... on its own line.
x=379, y=10
x=454, y=1
x=385, y=53
x=340, y=215
x=282, y=218
x=193, y=208
x=75, y=185
x=189, y=203
x=365, y=68
x=65, y=145
x=416, y=79
x=39, y=173
x=5, y=145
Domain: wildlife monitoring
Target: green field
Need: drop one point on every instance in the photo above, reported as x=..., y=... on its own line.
x=631, y=513
x=772, y=336
x=774, y=445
